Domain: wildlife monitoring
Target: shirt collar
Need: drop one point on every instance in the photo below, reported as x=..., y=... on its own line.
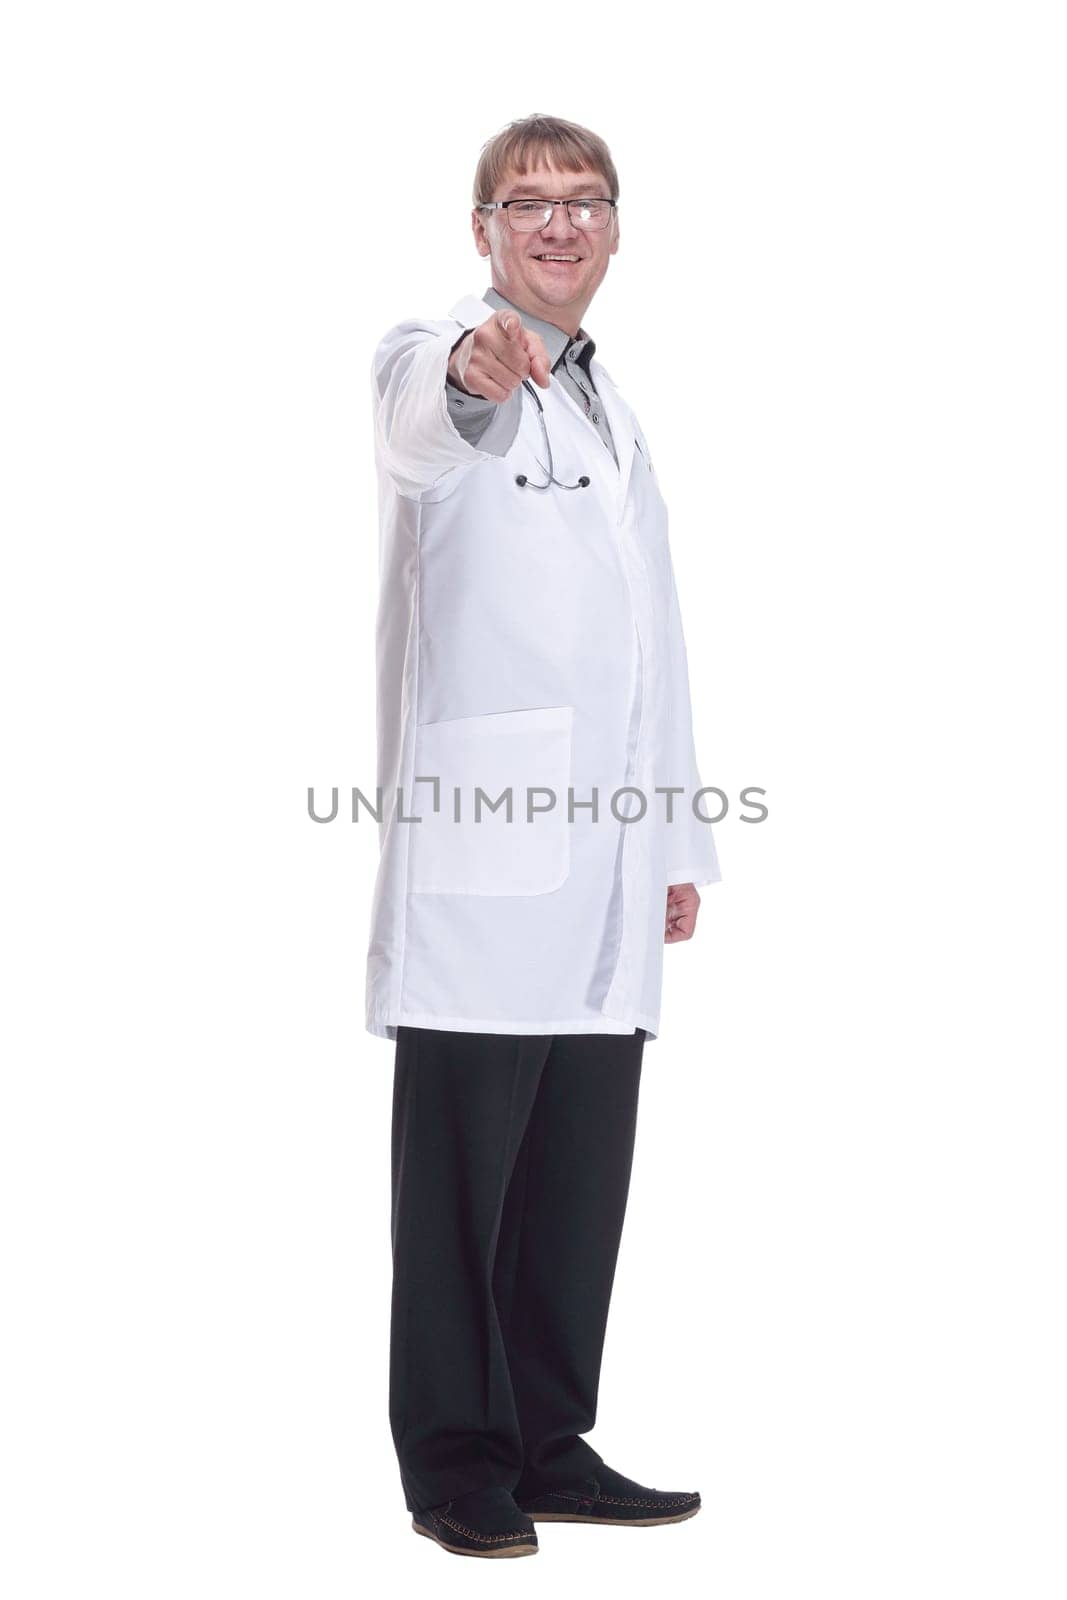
x=556, y=340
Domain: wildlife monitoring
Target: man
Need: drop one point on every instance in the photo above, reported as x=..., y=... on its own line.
x=530, y=653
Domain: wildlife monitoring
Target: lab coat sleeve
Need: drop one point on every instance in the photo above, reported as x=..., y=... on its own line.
x=415, y=437
x=691, y=852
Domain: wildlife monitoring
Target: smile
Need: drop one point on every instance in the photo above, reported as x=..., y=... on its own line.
x=547, y=257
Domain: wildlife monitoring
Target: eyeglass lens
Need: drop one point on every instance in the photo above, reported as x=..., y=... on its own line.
x=530, y=216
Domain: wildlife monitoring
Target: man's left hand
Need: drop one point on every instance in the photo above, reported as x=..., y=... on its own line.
x=683, y=903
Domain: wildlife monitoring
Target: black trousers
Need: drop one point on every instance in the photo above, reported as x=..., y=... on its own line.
x=511, y=1159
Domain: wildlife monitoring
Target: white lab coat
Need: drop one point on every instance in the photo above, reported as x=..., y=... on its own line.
x=527, y=639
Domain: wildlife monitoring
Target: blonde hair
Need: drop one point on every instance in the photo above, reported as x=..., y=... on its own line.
x=567, y=145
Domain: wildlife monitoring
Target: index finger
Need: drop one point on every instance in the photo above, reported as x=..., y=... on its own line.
x=539, y=364
x=509, y=348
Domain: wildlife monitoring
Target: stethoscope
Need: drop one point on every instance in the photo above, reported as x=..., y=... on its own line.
x=521, y=479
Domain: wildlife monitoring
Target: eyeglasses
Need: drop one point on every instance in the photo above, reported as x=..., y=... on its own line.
x=530, y=216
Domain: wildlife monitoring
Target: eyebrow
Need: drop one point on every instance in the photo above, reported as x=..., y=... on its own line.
x=584, y=191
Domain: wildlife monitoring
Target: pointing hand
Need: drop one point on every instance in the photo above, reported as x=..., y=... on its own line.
x=494, y=358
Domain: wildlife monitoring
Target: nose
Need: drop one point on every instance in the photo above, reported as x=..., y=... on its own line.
x=560, y=226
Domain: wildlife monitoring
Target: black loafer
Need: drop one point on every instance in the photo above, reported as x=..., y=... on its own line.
x=485, y=1522
x=608, y=1497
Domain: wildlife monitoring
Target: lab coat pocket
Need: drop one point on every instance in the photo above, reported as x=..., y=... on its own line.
x=491, y=795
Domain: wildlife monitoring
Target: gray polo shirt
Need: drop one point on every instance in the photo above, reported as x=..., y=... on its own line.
x=569, y=360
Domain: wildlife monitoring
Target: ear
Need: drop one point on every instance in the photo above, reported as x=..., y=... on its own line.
x=481, y=238
x=615, y=235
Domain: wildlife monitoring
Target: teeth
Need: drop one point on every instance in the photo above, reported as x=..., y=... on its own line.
x=557, y=258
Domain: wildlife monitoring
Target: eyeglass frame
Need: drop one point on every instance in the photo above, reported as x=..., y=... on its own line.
x=570, y=200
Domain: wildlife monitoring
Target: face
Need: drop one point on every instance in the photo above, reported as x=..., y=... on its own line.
x=556, y=291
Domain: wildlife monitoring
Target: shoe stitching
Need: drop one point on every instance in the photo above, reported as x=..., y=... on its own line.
x=614, y=1500
x=483, y=1538
x=682, y=1500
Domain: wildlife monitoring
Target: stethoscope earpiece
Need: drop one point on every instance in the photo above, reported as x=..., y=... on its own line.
x=522, y=480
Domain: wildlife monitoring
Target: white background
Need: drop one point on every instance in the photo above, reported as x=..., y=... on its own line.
x=838, y=309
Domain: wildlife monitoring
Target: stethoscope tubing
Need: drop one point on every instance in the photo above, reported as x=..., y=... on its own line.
x=521, y=479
